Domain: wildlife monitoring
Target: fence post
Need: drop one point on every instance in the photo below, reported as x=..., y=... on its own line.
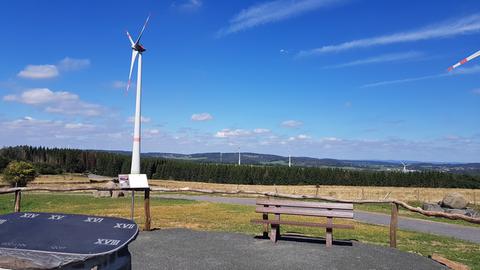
x=18, y=200
x=394, y=225
x=146, y=201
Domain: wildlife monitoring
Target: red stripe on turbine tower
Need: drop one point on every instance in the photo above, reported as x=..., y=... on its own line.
x=136, y=139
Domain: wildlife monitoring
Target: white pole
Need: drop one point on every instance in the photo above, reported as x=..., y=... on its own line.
x=135, y=169
x=239, y=157
x=289, y=161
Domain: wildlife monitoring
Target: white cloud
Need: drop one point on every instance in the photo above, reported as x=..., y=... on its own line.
x=188, y=5
x=300, y=137
x=385, y=58
x=227, y=133
x=50, y=71
x=303, y=137
x=143, y=119
x=460, y=71
x=272, y=11
x=72, y=64
x=39, y=72
x=61, y=102
x=119, y=85
x=78, y=126
x=261, y=130
x=463, y=26
x=292, y=123
x=201, y=117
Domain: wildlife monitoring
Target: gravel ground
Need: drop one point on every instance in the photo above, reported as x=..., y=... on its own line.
x=187, y=249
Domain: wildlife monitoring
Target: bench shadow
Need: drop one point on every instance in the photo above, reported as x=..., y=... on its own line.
x=299, y=238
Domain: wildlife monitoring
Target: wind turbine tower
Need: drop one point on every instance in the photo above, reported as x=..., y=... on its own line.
x=239, y=157
x=135, y=180
x=137, y=51
x=289, y=160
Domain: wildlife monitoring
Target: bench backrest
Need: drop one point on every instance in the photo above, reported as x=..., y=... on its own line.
x=316, y=209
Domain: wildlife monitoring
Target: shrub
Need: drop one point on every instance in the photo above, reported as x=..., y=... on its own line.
x=19, y=173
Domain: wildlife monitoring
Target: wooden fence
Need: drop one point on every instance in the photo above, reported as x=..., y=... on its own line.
x=393, y=218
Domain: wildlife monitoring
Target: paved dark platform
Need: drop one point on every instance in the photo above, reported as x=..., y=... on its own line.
x=187, y=249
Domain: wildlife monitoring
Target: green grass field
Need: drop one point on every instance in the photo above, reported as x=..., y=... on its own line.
x=169, y=213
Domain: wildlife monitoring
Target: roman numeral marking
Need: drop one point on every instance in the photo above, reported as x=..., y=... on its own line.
x=56, y=217
x=93, y=220
x=107, y=242
x=29, y=215
x=124, y=226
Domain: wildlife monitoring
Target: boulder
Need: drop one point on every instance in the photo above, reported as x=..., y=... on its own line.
x=111, y=184
x=432, y=207
x=455, y=201
x=117, y=194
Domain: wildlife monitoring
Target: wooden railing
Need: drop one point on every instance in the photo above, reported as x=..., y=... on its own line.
x=394, y=203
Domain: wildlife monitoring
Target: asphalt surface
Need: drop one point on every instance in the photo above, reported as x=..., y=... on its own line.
x=471, y=234
x=186, y=249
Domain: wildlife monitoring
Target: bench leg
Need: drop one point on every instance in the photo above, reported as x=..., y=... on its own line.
x=265, y=226
x=329, y=232
x=275, y=231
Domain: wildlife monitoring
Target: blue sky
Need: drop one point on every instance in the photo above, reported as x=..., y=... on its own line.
x=349, y=79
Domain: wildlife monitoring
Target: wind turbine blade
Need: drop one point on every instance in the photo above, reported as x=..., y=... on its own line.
x=143, y=29
x=463, y=61
x=130, y=38
x=134, y=57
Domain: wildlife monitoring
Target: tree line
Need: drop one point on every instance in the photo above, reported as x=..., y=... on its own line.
x=58, y=160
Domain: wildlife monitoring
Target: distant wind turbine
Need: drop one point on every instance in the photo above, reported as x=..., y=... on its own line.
x=405, y=167
x=289, y=160
x=137, y=50
x=239, y=157
x=465, y=60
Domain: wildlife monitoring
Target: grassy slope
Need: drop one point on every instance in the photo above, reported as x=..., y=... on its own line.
x=167, y=213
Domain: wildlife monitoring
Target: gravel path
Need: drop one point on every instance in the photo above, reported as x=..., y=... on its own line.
x=471, y=234
x=186, y=249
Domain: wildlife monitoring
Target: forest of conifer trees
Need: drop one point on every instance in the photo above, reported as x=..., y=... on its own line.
x=56, y=161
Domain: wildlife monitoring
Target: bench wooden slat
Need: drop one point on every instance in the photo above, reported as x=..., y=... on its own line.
x=304, y=212
x=340, y=206
x=299, y=223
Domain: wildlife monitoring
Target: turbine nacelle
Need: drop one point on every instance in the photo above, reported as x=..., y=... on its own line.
x=138, y=47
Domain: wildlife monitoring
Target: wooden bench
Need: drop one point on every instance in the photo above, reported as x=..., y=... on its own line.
x=301, y=208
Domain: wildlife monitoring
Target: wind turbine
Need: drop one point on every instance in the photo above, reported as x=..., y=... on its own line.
x=289, y=160
x=404, y=167
x=137, y=50
x=135, y=179
x=239, y=157
x=465, y=60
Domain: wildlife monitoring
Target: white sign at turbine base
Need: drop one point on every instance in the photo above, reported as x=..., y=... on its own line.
x=133, y=180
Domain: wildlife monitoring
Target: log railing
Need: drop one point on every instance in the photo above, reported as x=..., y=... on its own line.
x=394, y=203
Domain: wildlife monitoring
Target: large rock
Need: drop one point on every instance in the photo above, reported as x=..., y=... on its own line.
x=117, y=194
x=432, y=207
x=455, y=201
